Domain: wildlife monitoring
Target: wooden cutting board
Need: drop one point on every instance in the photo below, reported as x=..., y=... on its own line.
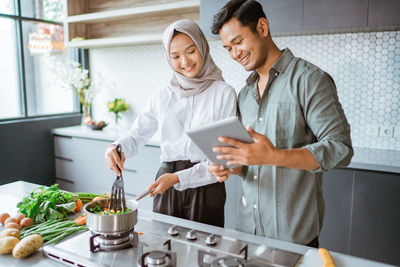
x=313, y=259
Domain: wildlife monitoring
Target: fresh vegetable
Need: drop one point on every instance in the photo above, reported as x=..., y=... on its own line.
x=81, y=220
x=44, y=204
x=12, y=225
x=19, y=217
x=53, y=231
x=9, y=232
x=87, y=197
x=7, y=244
x=9, y=220
x=27, y=246
x=3, y=217
x=326, y=258
x=78, y=205
x=26, y=222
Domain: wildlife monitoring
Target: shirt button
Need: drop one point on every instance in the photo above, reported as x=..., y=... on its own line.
x=260, y=119
x=276, y=74
x=255, y=206
x=255, y=177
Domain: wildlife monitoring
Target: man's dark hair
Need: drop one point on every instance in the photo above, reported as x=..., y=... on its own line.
x=247, y=12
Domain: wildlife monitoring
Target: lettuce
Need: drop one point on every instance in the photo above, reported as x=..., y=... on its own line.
x=46, y=203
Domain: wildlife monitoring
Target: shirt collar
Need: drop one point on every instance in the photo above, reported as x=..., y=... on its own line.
x=279, y=66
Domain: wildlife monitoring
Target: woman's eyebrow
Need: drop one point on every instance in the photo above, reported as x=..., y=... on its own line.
x=190, y=46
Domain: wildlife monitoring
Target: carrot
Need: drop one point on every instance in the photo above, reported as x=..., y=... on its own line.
x=326, y=257
x=78, y=205
x=81, y=220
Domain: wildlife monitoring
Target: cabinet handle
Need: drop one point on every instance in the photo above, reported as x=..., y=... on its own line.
x=130, y=170
x=67, y=159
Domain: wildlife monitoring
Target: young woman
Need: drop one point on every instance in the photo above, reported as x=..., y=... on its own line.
x=195, y=95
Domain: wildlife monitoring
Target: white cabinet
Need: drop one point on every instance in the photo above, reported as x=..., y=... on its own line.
x=81, y=167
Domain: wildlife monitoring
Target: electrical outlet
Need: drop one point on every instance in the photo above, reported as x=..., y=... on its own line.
x=396, y=131
x=386, y=131
x=372, y=130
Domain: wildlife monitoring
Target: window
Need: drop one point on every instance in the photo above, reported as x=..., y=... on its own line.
x=31, y=43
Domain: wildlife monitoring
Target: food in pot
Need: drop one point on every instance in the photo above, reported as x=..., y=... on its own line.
x=106, y=211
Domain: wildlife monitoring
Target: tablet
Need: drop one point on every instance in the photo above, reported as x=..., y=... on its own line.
x=206, y=137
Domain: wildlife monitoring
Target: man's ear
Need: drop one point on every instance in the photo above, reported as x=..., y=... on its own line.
x=263, y=27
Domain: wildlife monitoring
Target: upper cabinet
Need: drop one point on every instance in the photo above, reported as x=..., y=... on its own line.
x=308, y=16
x=338, y=14
x=100, y=23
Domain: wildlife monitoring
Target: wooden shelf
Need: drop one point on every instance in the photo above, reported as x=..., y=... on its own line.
x=117, y=41
x=124, y=22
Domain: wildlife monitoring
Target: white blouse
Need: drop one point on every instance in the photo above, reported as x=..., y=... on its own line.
x=173, y=115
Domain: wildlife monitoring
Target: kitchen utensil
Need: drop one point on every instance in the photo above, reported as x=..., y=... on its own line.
x=111, y=224
x=142, y=195
x=117, y=201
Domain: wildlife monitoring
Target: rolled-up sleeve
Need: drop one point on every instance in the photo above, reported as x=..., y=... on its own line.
x=196, y=176
x=326, y=119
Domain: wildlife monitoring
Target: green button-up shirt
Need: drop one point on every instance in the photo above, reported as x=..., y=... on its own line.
x=299, y=108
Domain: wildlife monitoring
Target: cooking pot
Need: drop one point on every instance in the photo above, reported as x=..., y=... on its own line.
x=111, y=224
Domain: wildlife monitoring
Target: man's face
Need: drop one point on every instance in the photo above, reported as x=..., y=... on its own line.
x=244, y=46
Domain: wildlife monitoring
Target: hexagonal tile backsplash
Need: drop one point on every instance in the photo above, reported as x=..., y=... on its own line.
x=364, y=65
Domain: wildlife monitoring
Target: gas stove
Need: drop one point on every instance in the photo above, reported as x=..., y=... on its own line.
x=167, y=241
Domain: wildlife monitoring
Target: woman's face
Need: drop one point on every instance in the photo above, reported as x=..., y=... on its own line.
x=185, y=57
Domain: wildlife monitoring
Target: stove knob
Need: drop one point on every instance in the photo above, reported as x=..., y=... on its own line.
x=191, y=235
x=172, y=231
x=211, y=240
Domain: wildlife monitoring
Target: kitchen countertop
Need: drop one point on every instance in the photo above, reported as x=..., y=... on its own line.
x=363, y=159
x=11, y=194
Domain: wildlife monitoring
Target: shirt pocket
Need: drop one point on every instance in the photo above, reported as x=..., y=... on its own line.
x=281, y=120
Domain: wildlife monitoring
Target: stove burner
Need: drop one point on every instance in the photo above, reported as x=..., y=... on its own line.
x=106, y=242
x=157, y=258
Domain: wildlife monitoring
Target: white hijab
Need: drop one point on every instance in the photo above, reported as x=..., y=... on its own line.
x=182, y=85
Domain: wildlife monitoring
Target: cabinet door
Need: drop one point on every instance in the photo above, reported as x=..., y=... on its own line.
x=337, y=190
x=283, y=16
x=383, y=12
x=375, y=231
x=328, y=14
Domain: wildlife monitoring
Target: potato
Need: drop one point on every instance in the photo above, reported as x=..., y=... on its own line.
x=27, y=246
x=25, y=222
x=10, y=219
x=10, y=232
x=12, y=225
x=7, y=244
x=3, y=217
x=19, y=217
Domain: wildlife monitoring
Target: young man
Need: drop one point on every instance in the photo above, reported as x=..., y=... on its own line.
x=297, y=121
